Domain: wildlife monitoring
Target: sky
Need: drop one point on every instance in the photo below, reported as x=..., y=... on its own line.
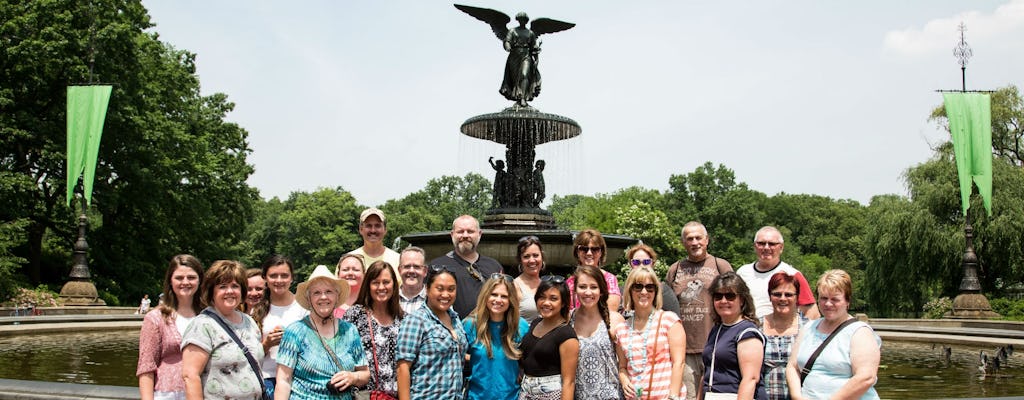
x=816, y=97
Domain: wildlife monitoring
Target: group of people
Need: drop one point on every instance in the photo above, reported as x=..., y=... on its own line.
x=388, y=325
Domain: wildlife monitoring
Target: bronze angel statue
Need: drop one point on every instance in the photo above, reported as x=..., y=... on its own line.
x=522, y=79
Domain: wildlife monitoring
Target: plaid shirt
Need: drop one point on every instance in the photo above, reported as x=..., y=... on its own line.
x=436, y=370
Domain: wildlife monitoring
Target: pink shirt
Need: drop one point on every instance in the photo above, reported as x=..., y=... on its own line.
x=160, y=352
x=643, y=358
x=609, y=279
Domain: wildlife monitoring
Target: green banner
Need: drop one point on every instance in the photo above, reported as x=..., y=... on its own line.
x=970, y=124
x=87, y=109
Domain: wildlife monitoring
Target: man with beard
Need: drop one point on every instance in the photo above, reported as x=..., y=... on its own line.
x=768, y=244
x=412, y=269
x=690, y=279
x=471, y=269
x=373, y=227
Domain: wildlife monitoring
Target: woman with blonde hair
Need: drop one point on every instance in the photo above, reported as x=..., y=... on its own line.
x=494, y=330
x=847, y=367
x=159, y=367
x=651, y=343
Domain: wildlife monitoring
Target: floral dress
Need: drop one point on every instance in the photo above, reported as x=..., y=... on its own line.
x=597, y=375
x=382, y=376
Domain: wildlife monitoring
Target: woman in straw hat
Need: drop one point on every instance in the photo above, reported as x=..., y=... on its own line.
x=320, y=356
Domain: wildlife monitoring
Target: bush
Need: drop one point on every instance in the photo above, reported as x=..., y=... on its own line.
x=936, y=308
x=41, y=296
x=1010, y=309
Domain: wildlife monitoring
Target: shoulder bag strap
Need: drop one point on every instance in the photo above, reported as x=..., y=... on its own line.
x=248, y=356
x=650, y=381
x=373, y=347
x=714, y=349
x=814, y=356
x=334, y=357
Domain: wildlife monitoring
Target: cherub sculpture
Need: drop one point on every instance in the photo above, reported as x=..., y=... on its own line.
x=522, y=79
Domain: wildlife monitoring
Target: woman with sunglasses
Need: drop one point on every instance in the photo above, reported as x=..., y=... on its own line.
x=780, y=329
x=550, y=348
x=642, y=255
x=494, y=330
x=651, y=343
x=734, y=351
x=377, y=316
x=431, y=343
x=597, y=370
x=530, y=254
x=590, y=249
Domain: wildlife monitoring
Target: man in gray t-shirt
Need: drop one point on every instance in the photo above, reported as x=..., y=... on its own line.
x=690, y=279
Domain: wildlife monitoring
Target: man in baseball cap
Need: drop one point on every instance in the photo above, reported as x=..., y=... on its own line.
x=373, y=228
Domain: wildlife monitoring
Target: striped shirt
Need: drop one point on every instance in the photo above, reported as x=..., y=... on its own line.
x=643, y=359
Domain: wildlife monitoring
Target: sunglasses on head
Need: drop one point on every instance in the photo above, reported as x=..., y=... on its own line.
x=553, y=279
x=499, y=275
x=649, y=287
x=728, y=296
x=438, y=268
x=530, y=238
x=637, y=263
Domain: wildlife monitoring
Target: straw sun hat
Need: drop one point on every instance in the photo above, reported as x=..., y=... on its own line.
x=322, y=273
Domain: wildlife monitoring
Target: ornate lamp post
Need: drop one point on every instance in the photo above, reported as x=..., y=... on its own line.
x=970, y=303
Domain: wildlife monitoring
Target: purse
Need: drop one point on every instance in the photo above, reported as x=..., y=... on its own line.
x=248, y=356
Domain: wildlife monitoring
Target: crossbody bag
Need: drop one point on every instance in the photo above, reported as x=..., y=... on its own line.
x=814, y=356
x=248, y=356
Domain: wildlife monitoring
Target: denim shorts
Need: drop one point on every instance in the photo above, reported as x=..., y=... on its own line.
x=541, y=387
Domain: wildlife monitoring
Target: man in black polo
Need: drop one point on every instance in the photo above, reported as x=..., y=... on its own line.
x=471, y=269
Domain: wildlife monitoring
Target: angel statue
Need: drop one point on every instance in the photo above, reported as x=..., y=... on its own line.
x=522, y=79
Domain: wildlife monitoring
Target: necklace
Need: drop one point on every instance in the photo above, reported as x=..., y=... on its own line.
x=639, y=364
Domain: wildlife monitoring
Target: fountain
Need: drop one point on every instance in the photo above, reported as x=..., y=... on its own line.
x=519, y=186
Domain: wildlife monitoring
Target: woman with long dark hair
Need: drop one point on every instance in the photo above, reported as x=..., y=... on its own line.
x=377, y=315
x=277, y=310
x=550, y=348
x=494, y=330
x=597, y=372
x=589, y=248
x=530, y=254
x=159, y=367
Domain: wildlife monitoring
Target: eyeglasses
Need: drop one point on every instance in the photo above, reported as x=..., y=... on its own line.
x=783, y=294
x=317, y=294
x=649, y=287
x=766, y=244
x=499, y=275
x=728, y=296
x=412, y=266
x=636, y=263
x=553, y=279
x=588, y=249
x=530, y=238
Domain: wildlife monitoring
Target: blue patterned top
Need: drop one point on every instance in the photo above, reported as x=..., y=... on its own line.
x=302, y=351
x=436, y=355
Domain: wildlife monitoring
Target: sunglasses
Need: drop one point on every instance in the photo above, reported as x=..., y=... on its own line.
x=781, y=295
x=528, y=239
x=636, y=263
x=766, y=244
x=728, y=296
x=588, y=249
x=553, y=279
x=499, y=275
x=649, y=287
x=437, y=268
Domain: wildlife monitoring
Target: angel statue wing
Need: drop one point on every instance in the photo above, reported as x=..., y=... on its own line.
x=496, y=19
x=541, y=26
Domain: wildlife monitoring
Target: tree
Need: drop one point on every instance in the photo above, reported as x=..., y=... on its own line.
x=434, y=207
x=171, y=174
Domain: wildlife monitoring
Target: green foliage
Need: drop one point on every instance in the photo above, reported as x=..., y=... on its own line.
x=434, y=207
x=172, y=172
x=10, y=237
x=1010, y=309
x=937, y=308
